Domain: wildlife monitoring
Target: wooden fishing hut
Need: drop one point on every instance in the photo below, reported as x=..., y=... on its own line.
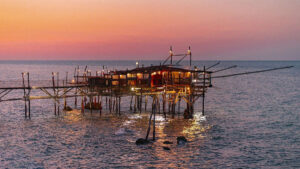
x=165, y=83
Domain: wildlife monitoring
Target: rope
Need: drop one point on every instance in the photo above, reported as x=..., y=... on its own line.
x=245, y=73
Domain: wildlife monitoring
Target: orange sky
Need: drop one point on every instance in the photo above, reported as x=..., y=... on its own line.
x=135, y=29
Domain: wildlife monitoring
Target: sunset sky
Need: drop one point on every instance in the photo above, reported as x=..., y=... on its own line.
x=137, y=29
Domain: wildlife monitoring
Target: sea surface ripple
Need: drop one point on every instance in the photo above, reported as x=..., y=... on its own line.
x=250, y=121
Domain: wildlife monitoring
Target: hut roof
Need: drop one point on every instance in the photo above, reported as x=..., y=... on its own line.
x=152, y=69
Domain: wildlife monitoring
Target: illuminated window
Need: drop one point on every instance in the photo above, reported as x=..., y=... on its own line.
x=115, y=76
x=115, y=83
x=140, y=76
x=122, y=77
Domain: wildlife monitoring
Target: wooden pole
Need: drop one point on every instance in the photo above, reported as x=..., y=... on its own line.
x=57, y=92
x=25, y=99
x=134, y=107
x=190, y=56
x=91, y=100
x=169, y=106
x=106, y=102
x=173, y=108
x=179, y=105
x=148, y=130
x=188, y=105
x=77, y=74
x=82, y=104
x=164, y=105
x=158, y=104
x=146, y=100
x=99, y=104
x=66, y=78
x=65, y=102
x=53, y=83
x=137, y=103
x=203, y=95
x=119, y=105
x=113, y=105
x=85, y=99
x=130, y=107
x=116, y=104
x=100, y=107
x=28, y=95
x=110, y=106
x=154, y=111
x=66, y=83
x=141, y=101
x=75, y=98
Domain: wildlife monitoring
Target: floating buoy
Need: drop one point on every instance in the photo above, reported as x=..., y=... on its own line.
x=181, y=140
x=168, y=142
x=141, y=141
x=166, y=148
x=68, y=108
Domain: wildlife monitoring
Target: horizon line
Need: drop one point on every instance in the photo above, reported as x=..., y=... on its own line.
x=144, y=60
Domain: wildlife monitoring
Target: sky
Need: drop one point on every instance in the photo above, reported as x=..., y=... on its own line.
x=135, y=29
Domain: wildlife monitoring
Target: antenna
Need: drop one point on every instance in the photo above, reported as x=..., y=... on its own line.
x=184, y=55
x=190, y=53
x=171, y=54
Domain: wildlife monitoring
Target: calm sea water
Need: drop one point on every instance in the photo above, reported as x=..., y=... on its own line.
x=251, y=121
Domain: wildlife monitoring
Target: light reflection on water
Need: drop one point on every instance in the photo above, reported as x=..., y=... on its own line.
x=251, y=121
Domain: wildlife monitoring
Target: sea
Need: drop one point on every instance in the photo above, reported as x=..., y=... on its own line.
x=250, y=121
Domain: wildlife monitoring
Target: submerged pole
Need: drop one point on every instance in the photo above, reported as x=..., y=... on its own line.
x=148, y=130
x=82, y=104
x=106, y=102
x=114, y=104
x=164, y=105
x=109, y=104
x=158, y=104
x=134, y=107
x=179, y=105
x=130, y=108
x=119, y=105
x=91, y=100
x=146, y=100
x=141, y=101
